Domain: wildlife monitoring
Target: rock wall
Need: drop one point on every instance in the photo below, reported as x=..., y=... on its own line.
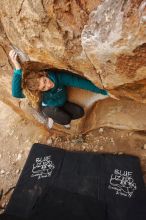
x=104, y=40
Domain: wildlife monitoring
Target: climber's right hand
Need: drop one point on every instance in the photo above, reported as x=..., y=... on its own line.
x=14, y=58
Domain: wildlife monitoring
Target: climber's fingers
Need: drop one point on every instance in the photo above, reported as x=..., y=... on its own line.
x=113, y=96
x=13, y=55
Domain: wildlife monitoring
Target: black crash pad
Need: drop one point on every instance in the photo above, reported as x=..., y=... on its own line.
x=57, y=184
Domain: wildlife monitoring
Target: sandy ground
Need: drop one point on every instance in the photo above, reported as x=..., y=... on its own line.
x=17, y=136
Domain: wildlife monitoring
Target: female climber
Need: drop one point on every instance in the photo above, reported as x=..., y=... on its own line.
x=47, y=89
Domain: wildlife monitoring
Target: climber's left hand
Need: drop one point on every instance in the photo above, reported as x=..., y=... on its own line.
x=113, y=96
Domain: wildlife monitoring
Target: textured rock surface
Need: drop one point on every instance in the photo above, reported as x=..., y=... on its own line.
x=102, y=40
x=114, y=38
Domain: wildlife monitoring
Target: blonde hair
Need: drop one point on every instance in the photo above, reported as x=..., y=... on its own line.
x=30, y=84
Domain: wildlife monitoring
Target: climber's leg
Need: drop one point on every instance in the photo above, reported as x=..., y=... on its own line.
x=57, y=114
x=75, y=111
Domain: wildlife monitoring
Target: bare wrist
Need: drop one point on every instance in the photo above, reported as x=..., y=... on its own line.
x=17, y=65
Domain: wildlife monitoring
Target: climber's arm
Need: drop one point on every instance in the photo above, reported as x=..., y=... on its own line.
x=17, y=76
x=80, y=82
x=16, y=84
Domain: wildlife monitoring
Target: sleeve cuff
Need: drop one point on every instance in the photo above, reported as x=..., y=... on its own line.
x=18, y=71
x=105, y=92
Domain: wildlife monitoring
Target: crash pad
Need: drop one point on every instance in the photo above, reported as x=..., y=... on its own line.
x=57, y=184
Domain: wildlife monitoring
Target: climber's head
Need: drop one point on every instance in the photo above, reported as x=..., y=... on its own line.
x=37, y=81
x=34, y=83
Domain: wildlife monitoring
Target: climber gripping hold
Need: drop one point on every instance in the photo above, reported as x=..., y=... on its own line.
x=46, y=89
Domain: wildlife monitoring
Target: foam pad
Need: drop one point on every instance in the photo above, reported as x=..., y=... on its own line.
x=57, y=184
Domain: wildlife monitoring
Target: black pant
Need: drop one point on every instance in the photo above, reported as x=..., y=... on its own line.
x=63, y=115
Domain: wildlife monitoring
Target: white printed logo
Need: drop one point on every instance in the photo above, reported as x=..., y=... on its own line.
x=42, y=167
x=123, y=183
x=59, y=89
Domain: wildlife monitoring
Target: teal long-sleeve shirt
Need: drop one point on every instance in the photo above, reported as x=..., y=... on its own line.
x=56, y=96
